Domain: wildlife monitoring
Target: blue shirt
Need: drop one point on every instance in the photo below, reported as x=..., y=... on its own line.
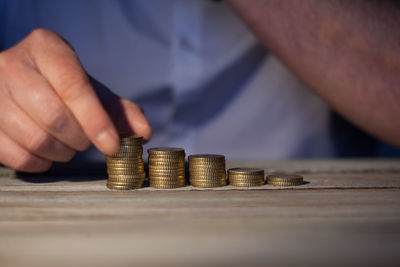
x=205, y=82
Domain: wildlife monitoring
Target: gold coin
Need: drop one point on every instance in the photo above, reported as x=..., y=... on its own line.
x=137, y=173
x=124, y=159
x=284, y=183
x=122, y=170
x=130, y=148
x=165, y=159
x=207, y=157
x=166, y=186
x=167, y=174
x=168, y=181
x=165, y=170
x=125, y=180
x=126, y=176
x=282, y=179
x=164, y=167
x=126, y=168
x=207, y=178
x=122, y=183
x=166, y=163
x=210, y=174
x=246, y=180
x=126, y=173
x=123, y=187
x=231, y=180
x=166, y=178
x=245, y=175
x=177, y=182
x=207, y=170
x=207, y=174
x=124, y=154
x=165, y=150
x=246, y=171
x=207, y=185
x=125, y=165
x=130, y=139
x=207, y=167
x=246, y=184
x=120, y=187
x=132, y=185
x=134, y=175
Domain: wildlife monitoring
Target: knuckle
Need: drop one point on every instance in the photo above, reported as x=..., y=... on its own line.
x=67, y=156
x=38, y=142
x=27, y=162
x=55, y=118
x=42, y=35
x=9, y=64
x=73, y=87
x=22, y=162
x=50, y=40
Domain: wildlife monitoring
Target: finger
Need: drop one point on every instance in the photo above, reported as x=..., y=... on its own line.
x=15, y=157
x=23, y=131
x=127, y=116
x=132, y=121
x=61, y=67
x=35, y=96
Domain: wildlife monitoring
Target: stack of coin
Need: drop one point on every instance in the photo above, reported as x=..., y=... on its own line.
x=282, y=179
x=246, y=177
x=207, y=170
x=166, y=167
x=125, y=168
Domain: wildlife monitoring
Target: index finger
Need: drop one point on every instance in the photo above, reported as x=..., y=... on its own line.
x=59, y=64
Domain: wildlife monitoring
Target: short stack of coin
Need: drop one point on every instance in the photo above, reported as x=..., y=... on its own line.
x=125, y=168
x=246, y=177
x=207, y=170
x=284, y=179
x=166, y=167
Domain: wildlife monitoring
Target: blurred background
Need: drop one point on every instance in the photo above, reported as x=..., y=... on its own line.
x=205, y=82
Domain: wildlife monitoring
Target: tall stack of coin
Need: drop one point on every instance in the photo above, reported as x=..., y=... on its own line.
x=207, y=170
x=246, y=177
x=166, y=167
x=284, y=179
x=125, y=168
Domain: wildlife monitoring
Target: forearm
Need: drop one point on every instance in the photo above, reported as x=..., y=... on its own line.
x=347, y=51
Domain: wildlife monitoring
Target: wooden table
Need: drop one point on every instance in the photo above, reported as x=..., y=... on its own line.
x=347, y=214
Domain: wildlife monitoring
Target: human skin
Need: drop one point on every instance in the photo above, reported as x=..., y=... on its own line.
x=49, y=108
x=348, y=52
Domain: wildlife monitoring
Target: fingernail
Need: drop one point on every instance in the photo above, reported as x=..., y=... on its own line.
x=107, y=141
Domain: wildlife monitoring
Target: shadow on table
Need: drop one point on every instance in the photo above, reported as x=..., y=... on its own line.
x=75, y=172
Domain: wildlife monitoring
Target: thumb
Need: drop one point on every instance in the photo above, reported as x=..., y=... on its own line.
x=128, y=117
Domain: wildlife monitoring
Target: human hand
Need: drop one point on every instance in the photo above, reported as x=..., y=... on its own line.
x=49, y=108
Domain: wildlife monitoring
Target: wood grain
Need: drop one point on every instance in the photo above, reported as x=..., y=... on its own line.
x=340, y=218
